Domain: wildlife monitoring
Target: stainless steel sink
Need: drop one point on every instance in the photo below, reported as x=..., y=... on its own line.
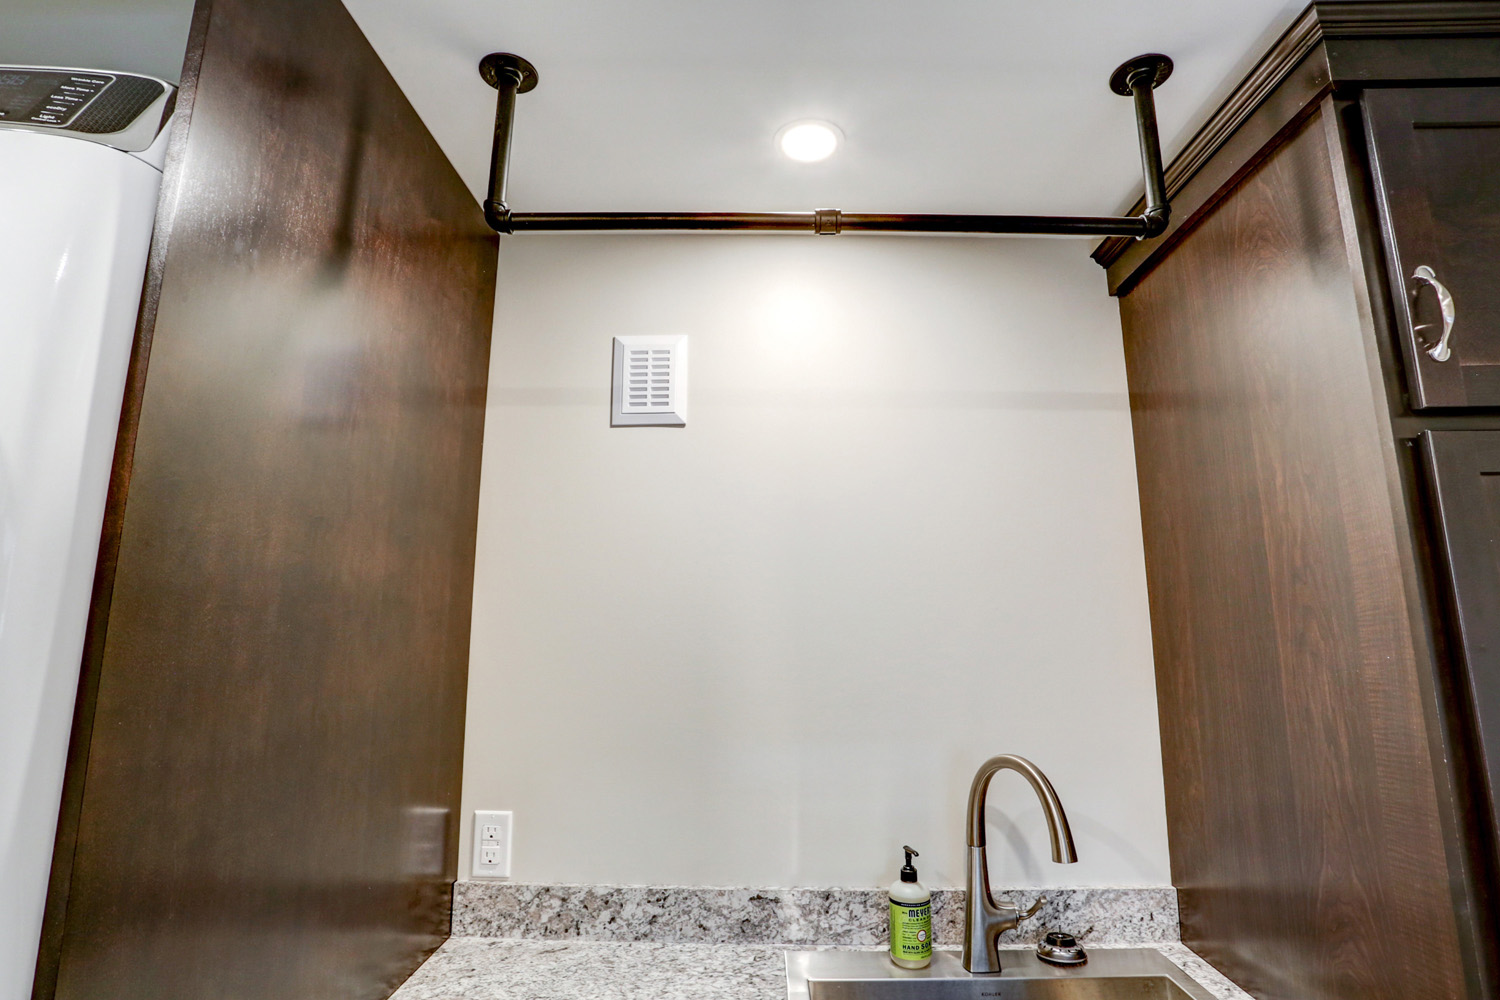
x=1110, y=974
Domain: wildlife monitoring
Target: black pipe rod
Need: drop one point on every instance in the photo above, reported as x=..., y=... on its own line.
x=1151, y=167
x=1138, y=79
x=530, y=222
x=995, y=225
x=826, y=222
x=505, y=116
x=510, y=75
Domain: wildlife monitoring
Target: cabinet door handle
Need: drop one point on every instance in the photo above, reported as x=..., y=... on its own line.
x=1439, y=351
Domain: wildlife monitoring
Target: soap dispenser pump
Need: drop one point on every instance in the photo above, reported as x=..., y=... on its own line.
x=911, y=918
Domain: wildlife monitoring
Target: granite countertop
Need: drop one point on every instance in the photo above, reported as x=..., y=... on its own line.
x=478, y=968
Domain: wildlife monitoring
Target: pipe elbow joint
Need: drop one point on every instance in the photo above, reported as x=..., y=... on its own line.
x=497, y=216
x=1155, y=221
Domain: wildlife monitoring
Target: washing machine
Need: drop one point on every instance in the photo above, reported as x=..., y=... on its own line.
x=81, y=159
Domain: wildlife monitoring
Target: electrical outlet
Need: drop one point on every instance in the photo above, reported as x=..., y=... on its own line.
x=491, y=844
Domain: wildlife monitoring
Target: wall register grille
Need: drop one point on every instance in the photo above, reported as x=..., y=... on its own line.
x=650, y=382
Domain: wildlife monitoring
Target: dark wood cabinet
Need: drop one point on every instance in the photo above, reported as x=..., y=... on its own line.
x=1320, y=501
x=262, y=794
x=1435, y=155
x=1463, y=470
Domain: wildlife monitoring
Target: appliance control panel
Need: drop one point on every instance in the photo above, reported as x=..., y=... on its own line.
x=47, y=97
x=106, y=106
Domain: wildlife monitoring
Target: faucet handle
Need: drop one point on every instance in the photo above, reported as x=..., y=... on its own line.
x=1030, y=911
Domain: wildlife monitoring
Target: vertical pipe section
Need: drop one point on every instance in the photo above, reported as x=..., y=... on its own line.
x=1157, y=208
x=1137, y=79
x=510, y=75
x=495, y=208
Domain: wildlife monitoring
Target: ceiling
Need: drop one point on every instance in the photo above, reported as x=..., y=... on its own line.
x=987, y=106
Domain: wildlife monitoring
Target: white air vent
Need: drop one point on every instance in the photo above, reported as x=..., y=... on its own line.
x=650, y=383
x=648, y=380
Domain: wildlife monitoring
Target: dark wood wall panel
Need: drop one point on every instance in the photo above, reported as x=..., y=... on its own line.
x=60, y=883
x=270, y=802
x=1301, y=792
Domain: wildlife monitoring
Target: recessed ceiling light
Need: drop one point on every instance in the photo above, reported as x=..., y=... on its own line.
x=808, y=141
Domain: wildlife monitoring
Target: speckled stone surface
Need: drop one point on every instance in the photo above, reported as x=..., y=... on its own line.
x=469, y=968
x=1206, y=975
x=501, y=969
x=847, y=917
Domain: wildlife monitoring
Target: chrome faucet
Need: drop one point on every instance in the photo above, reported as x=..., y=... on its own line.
x=984, y=919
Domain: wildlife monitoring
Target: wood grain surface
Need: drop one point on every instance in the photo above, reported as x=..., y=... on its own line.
x=1301, y=792
x=1463, y=471
x=270, y=802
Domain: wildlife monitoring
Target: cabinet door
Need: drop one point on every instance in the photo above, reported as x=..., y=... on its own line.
x=1436, y=153
x=1464, y=471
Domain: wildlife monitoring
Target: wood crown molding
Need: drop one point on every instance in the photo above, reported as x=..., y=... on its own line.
x=1322, y=20
x=1410, y=19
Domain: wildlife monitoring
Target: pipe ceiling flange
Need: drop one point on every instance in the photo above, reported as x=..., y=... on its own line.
x=498, y=65
x=1158, y=65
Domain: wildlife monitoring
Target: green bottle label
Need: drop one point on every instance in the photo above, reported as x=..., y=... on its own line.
x=911, y=930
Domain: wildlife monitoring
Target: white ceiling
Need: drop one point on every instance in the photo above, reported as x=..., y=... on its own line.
x=947, y=105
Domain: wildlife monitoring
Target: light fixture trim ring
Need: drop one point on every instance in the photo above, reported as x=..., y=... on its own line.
x=813, y=129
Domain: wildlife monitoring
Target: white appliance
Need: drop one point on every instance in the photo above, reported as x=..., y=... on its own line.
x=81, y=155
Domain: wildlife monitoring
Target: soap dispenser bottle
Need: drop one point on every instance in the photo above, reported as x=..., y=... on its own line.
x=911, y=918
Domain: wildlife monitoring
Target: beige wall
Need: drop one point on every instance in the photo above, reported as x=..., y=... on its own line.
x=899, y=534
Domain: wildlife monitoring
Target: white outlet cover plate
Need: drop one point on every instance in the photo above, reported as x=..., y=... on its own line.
x=492, y=836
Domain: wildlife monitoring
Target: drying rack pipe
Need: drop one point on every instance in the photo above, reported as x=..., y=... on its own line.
x=510, y=75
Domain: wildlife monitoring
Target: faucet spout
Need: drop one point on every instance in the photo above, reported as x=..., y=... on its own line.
x=984, y=919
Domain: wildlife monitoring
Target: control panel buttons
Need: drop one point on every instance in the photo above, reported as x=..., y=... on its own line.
x=47, y=97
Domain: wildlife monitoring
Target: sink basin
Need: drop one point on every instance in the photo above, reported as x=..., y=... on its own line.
x=1110, y=974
